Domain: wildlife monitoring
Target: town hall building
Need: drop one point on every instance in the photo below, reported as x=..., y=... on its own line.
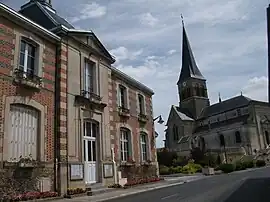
x=239, y=125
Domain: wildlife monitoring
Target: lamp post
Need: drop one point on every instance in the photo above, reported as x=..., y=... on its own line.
x=160, y=121
x=159, y=118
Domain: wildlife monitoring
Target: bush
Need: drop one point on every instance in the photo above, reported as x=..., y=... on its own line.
x=248, y=164
x=166, y=157
x=191, y=168
x=227, y=168
x=240, y=166
x=164, y=170
x=260, y=163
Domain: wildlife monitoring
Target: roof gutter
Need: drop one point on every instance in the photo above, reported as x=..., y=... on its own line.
x=27, y=21
x=132, y=81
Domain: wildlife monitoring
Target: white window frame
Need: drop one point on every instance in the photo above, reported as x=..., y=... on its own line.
x=26, y=54
x=124, y=140
x=144, y=145
x=141, y=105
x=123, y=101
x=89, y=78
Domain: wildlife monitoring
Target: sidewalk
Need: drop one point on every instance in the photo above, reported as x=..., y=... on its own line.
x=134, y=190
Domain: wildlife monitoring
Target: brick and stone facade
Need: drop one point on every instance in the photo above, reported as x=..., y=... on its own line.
x=41, y=97
x=136, y=168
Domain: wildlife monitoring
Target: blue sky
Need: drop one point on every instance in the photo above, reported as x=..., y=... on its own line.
x=228, y=38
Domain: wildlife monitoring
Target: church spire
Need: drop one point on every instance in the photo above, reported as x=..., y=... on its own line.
x=189, y=66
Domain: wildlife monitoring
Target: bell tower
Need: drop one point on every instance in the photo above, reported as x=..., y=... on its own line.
x=191, y=84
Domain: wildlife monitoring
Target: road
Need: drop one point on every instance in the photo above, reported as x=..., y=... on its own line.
x=248, y=186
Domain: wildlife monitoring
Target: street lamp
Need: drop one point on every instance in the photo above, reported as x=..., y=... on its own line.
x=160, y=120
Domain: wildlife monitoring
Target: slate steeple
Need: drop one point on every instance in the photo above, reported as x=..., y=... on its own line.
x=191, y=84
x=189, y=66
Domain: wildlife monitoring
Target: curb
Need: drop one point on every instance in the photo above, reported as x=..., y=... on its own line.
x=140, y=191
x=146, y=190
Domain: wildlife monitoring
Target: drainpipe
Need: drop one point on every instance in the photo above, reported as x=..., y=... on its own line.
x=57, y=171
x=67, y=160
x=114, y=166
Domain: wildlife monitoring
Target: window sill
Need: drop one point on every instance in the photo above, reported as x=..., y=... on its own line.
x=124, y=112
x=142, y=118
x=21, y=78
x=8, y=164
x=146, y=163
x=126, y=163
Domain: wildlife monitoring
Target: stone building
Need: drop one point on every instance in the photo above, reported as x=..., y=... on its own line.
x=233, y=128
x=132, y=126
x=76, y=101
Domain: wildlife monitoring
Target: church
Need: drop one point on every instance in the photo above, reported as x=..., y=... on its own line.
x=230, y=128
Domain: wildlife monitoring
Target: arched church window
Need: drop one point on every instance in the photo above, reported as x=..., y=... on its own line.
x=183, y=95
x=197, y=88
x=204, y=92
x=222, y=140
x=238, y=137
x=175, y=133
x=267, y=137
x=188, y=92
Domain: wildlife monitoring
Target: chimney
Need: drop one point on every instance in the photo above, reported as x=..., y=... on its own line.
x=268, y=40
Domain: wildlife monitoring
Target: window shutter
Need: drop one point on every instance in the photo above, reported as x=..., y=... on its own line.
x=127, y=99
x=118, y=96
x=130, y=146
x=138, y=104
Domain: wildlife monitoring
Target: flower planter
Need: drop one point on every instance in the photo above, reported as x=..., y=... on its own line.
x=142, y=181
x=29, y=196
x=208, y=171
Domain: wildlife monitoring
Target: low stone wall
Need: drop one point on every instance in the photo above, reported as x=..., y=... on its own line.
x=135, y=172
x=15, y=180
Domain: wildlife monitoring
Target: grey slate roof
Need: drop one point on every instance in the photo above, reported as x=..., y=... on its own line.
x=40, y=12
x=189, y=66
x=183, y=114
x=226, y=105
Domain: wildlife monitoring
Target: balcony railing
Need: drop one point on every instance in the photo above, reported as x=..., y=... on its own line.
x=124, y=111
x=27, y=78
x=142, y=117
x=91, y=95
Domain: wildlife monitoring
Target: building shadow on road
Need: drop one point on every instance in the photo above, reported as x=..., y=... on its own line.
x=252, y=190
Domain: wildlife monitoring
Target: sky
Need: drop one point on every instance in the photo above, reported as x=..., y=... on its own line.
x=228, y=39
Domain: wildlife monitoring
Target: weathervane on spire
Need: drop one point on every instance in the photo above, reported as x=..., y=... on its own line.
x=219, y=98
x=182, y=20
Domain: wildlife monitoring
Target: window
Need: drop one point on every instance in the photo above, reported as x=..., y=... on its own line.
x=238, y=112
x=222, y=140
x=125, y=144
x=22, y=139
x=27, y=59
x=141, y=104
x=175, y=133
x=123, y=97
x=143, y=141
x=197, y=88
x=238, y=137
x=88, y=78
x=267, y=137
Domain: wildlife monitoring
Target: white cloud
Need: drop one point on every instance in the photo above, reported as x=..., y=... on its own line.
x=256, y=88
x=148, y=19
x=92, y=10
x=122, y=53
x=170, y=52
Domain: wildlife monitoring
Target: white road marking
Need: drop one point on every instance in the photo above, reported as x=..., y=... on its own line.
x=170, y=196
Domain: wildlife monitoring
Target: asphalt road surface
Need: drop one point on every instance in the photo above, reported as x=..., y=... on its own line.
x=251, y=186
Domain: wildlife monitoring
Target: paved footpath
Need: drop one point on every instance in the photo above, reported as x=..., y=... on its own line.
x=168, y=181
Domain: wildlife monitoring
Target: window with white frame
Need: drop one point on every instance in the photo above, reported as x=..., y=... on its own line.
x=141, y=104
x=27, y=63
x=23, y=135
x=125, y=144
x=143, y=142
x=123, y=97
x=89, y=77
